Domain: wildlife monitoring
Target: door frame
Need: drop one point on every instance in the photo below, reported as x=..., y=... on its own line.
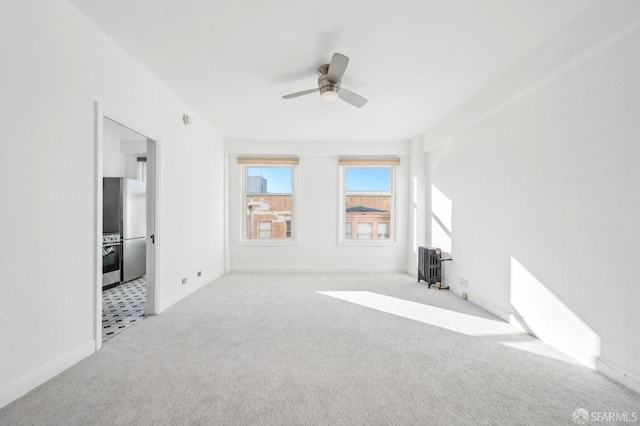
x=153, y=213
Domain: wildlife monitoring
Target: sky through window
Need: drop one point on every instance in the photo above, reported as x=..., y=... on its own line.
x=369, y=179
x=278, y=178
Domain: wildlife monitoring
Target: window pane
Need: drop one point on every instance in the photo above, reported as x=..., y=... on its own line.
x=383, y=230
x=265, y=229
x=369, y=179
x=141, y=170
x=365, y=231
x=368, y=202
x=274, y=210
x=372, y=211
x=273, y=180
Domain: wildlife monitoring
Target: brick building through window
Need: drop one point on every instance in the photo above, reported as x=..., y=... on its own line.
x=272, y=209
x=367, y=223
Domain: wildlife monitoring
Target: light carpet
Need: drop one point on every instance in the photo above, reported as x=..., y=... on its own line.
x=321, y=349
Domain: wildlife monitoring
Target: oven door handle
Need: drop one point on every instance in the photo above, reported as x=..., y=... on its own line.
x=108, y=249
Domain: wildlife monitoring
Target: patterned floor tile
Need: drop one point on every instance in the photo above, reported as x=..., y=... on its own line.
x=122, y=307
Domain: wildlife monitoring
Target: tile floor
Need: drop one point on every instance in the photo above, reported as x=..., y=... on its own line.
x=122, y=307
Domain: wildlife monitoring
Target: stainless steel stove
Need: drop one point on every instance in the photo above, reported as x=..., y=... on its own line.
x=111, y=259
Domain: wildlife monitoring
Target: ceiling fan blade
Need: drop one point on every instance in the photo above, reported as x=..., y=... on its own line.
x=305, y=92
x=351, y=98
x=337, y=67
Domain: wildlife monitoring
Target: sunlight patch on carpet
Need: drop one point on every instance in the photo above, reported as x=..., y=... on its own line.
x=454, y=321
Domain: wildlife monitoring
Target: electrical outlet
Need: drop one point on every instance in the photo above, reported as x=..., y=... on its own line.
x=184, y=281
x=464, y=282
x=199, y=273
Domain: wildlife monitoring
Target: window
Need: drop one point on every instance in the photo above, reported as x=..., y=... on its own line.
x=268, y=194
x=383, y=230
x=264, y=230
x=365, y=231
x=367, y=198
x=141, y=168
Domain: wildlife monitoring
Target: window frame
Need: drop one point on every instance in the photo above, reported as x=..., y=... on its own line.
x=342, y=202
x=246, y=163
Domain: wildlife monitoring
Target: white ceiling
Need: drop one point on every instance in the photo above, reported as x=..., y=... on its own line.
x=414, y=60
x=121, y=132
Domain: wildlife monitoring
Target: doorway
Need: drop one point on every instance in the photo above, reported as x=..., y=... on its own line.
x=126, y=218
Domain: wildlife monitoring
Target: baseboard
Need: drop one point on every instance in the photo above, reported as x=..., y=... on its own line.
x=26, y=383
x=500, y=312
x=319, y=269
x=607, y=368
x=172, y=300
x=618, y=373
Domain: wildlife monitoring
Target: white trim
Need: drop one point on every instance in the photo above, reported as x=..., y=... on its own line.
x=102, y=111
x=153, y=307
x=266, y=242
x=27, y=382
x=320, y=269
x=618, y=373
x=607, y=368
x=172, y=300
x=368, y=243
x=585, y=358
x=500, y=312
x=97, y=296
x=227, y=208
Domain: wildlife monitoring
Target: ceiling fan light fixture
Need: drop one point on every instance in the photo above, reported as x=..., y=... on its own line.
x=329, y=96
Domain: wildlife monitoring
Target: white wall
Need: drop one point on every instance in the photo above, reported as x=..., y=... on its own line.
x=120, y=156
x=59, y=68
x=545, y=197
x=112, y=158
x=130, y=166
x=132, y=149
x=317, y=248
x=417, y=209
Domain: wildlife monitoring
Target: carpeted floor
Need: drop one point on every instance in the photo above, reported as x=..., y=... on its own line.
x=321, y=349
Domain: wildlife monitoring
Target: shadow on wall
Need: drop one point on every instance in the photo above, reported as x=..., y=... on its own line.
x=548, y=318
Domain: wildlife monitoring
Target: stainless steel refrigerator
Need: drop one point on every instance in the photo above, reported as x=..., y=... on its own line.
x=125, y=212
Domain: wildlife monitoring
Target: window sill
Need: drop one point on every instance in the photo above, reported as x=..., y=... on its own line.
x=267, y=243
x=368, y=243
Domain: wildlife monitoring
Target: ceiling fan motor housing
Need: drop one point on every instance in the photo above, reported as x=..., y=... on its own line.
x=324, y=83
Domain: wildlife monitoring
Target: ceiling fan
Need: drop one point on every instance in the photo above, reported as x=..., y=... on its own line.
x=329, y=81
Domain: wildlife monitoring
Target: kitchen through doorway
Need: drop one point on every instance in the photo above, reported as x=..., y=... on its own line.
x=127, y=217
